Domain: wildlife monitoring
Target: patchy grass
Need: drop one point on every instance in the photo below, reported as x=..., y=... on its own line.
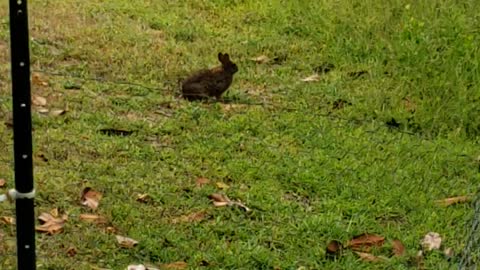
x=367, y=148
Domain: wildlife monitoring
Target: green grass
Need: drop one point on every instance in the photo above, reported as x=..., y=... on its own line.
x=311, y=172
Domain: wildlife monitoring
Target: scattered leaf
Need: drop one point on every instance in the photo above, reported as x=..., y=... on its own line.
x=111, y=230
x=334, y=248
x=431, y=241
x=398, y=248
x=219, y=199
x=222, y=200
x=201, y=181
x=136, y=267
x=312, y=78
x=39, y=100
x=42, y=110
x=58, y=112
x=38, y=80
x=448, y=252
x=262, y=59
x=91, y=198
x=370, y=257
x=71, y=251
x=7, y=220
x=222, y=185
x=3, y=183
x=54, y=212
x=174, y=265
x=126, y=242
x=93, y=218
x=143, y=198
x=51, y=225
x=453, y=200
x=193, y=217
x=365, y=241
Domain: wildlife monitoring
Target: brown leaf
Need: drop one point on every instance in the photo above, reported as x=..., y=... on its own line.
x=453, y=200
x=219, y=199
x=38, y=80
x=126, y=242
x=222, y=185
x=91, y=198
x=42, y=110
x=93, y=218
x=111, y=229
x=7, y=220
x=174, y=265
x=71, y=251
x=143, y=198
x=201, y=181
x=431, y=241
x=369, y=257
x=58, y=112
x=334, y=248
x=193, y=217
x=262, y=59
x=365, y=241
x=409, y=105
x=398, y=248
x=312, y=78
x=51, y=225
x=3, y=183
x=39, y=100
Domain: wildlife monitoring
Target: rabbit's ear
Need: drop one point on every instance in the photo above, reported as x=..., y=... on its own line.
x=220, y=57
x=226, y=58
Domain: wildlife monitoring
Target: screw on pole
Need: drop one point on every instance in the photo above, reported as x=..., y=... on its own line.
x=22, y=134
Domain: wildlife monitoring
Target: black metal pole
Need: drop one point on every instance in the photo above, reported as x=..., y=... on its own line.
x=22, y=134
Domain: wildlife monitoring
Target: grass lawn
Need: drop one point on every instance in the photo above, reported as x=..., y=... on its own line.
x=390, y=125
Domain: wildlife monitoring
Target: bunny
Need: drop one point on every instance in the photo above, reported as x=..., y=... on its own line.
x=210, y=82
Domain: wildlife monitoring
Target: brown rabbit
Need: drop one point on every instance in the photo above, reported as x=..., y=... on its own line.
x=210, y=82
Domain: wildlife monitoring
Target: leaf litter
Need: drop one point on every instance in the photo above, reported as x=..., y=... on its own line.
x=91, y=198
x=126, y=242
x=220, y=200
x=51, y=223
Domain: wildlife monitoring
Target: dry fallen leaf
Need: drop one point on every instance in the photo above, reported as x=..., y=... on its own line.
x=136, y=267
x=38, y=80
x=262, y=59
x=431, y=241
x=39, y=100
x=7, y=220
x=91, y=198
x=201, y=181
x=51, y=225
x=365, y=241
x=398, y=248
x=193, y=217
x=71, y=251
x=58, y=112
x=174, y=265
x=222, y=185
x=223, y=200
x=219, y=199
x=370, y=257
x=313, y=78
x=93, y=218
x=126, y=242
x=334, y=248
x=42, y=110
x=143, y=198
x=453, y=200
x=3, y=183
x=448, y=252
x=111, y=230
